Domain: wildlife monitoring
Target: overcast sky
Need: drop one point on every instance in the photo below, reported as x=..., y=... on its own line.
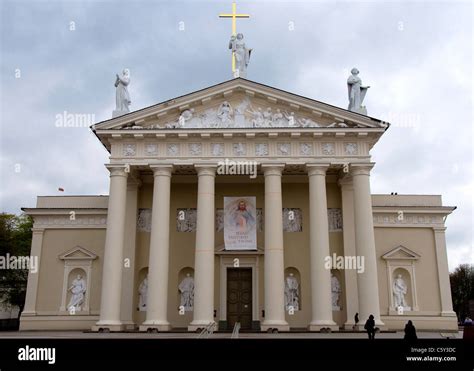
x=61, y=56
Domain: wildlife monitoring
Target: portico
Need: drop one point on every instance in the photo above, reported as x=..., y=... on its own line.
x=164, y=263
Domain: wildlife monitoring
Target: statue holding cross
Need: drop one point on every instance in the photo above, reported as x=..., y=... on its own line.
x=240, y=53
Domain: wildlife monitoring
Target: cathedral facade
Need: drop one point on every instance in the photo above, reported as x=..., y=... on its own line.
x=239, y=203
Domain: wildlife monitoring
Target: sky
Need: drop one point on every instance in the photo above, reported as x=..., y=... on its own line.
x=62, y=56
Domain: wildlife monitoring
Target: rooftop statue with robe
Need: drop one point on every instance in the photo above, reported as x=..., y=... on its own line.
x=356, y=92
x=241, y=55
x=122, y=97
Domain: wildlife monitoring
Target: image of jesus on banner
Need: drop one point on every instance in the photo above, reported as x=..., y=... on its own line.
x=240, y=222
x=242, y=218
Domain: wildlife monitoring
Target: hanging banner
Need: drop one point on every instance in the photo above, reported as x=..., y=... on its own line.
x=240, y=223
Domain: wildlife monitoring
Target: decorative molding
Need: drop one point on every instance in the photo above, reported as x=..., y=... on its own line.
x=195, y=149
x=306, y=149
x=217, y=149
x=292, y=220
x=328, y=149
x=186, y=220
x=261, y=149
x=335, y=220
x=144, y=220
x=172, y=149
x=239, y=149
x=408, y=220
x=129, y=149
x=284, y=149
x=78, y=253
x=350, y=149
x=151, y=149
x=65, y=221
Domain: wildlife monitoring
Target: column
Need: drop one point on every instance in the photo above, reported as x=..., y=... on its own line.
x=113, y=252
x=130, y=234
x=319, y=249
x=33, y=277
x=158, y=264
x=348, y=233
x=203, y=314
x=365, y=244
x=443, y=272
x=274, y=265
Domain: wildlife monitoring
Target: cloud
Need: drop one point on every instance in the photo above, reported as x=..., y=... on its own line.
x=415, y=57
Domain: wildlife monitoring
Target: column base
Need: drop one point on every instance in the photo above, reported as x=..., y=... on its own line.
x=130, y=325
x=201, y=324
x=108, y=326
x=350, y=325
x=155, y=326
x=448, y=313
x=323, y=326
x=274, y=326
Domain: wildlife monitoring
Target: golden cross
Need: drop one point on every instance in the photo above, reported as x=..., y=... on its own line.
x=234, y=17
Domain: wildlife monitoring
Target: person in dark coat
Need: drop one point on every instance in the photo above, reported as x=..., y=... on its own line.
x=370, y=327
x=410, y=331
x=356, y=321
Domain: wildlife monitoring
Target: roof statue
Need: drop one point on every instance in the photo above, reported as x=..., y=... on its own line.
x=122, y=98
x=356, y=92
x=240, y=54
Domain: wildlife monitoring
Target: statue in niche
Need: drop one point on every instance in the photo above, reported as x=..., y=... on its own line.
x=142, y=295
x=225, y=114
x=399, y=291
x=78, y=290
x=356, y=92
x=292, y=295
x=186, y=289
x=336, y=292
x=122, y=98
x=241, y=53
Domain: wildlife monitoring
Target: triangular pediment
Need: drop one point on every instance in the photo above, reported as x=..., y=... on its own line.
x=78, y=253
x=239, y=103
x=400, y=253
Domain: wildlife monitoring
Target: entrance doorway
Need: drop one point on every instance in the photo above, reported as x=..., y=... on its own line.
x=239, y=297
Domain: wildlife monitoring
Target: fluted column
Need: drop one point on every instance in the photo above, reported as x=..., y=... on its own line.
x=319, y=249
x=158, y=264
x=274, y=278
x=113, y=251
x=367, y=281
x=203, y=314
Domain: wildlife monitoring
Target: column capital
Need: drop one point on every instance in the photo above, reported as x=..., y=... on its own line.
x=346, y=181
x=361, y=169
x=209, y=170
x=439, y=229
x=273, y=169
x=36, y=230
x=317, y=169
x=161, y=170
x=118, y=169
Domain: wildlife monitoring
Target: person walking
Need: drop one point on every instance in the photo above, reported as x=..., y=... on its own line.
x=410, y=331
x=370, y=327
